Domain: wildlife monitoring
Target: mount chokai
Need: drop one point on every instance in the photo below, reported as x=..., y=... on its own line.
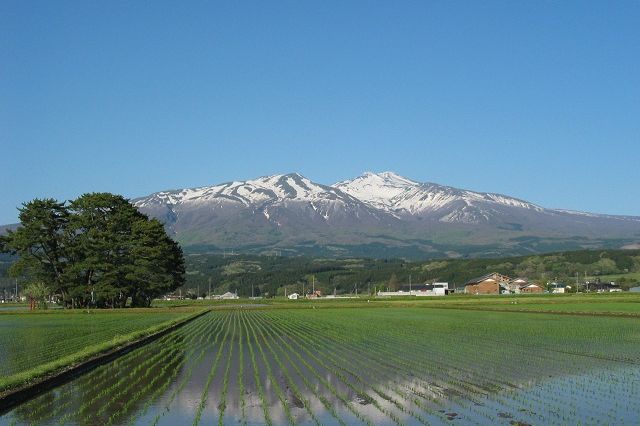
x=374, y=215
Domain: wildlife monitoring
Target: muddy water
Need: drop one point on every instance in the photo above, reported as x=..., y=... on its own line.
x=243, y=368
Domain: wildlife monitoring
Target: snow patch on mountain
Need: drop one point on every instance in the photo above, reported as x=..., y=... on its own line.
x=293, y=187
x=405, y=197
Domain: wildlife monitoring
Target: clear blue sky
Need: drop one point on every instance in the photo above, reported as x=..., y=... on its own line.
x=535, y=99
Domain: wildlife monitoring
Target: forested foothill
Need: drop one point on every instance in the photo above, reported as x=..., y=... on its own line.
x=271, y=275
x=95, y=251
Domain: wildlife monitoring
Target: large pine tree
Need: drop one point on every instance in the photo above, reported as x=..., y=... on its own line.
x=98, y=250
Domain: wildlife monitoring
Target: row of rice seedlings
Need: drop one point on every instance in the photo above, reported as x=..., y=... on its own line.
x=45, y=407
x=256, y=375
x=400, y=372
x=173, y=368
x=403, y=346
x=136, y=375
x=310, y=369
x=550, y=357
x=212, y=372
x=96, y=380
x=168, y=348
x=349, y=345
x=212, y=337
x=166, y=367
x=187, y=357
x=603, y=338
x=561, y=396
x=285, y=371
x=64, y=395
x=225, y=382
x=334, y=352
x=328, y=352
x=417, y=367
x=345, y=352
x=393, y=368
x=107, y=391
x=272, y=380
x=193, y=343
x=240, y=378
x=317, y=357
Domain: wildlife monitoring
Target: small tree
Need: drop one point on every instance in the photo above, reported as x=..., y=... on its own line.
x=38, y=292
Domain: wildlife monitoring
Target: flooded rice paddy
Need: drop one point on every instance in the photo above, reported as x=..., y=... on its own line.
x=363, y=366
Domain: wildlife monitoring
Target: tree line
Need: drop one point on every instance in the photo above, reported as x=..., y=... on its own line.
x=95, y=251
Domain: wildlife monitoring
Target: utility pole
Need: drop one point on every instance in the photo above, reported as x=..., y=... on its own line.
x=585, y=281
x=252, y=290
x=209, y=295
x=16, y=299
x=409, y=284
x=313, y=283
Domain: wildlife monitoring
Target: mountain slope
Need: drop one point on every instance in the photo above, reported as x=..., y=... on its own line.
x=268, y=210
x=404, y=197
x=377, y=214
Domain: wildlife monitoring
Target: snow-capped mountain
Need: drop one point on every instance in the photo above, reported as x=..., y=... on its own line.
x=262, y=190
x=280, y=203
x=374, y=212
x=403, y=197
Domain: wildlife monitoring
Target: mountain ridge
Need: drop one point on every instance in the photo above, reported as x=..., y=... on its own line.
x=378, y=212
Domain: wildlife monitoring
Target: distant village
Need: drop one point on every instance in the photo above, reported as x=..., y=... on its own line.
x=490, y=284
x=496, y=283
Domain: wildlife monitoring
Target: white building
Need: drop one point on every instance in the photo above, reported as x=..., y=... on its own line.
x=558, y=288
x=229, y=296
x=293, y=296
x=435, y=289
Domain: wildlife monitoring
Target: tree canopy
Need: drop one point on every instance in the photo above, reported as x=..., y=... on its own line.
x=97, y=250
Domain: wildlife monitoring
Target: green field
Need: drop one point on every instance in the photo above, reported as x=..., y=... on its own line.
x=390, y=363
x=35, y=343
x=593, y=303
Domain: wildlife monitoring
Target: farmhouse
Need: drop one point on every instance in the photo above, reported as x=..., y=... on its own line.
x=228, y=295
x=515, y=285
x=558, y=288
x=609, y=287
x=531, y=288
x=314, y=295
x=487, y=284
